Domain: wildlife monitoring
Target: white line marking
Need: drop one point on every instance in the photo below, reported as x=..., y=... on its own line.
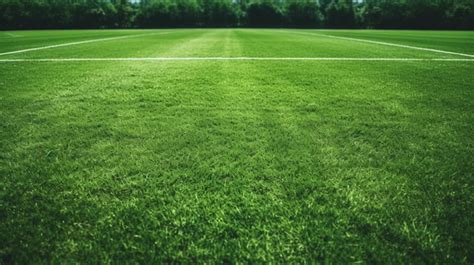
x=384, y=43
x=236, y=59
x=12, y=35
x=79, y=42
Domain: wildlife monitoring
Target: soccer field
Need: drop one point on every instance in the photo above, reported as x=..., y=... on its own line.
x=237, y=146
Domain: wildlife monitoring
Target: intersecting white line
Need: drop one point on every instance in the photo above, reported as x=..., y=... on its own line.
x=80, y=42
x=383, y=43
x=237, y=59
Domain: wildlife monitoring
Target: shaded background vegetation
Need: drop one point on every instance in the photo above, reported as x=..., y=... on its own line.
x=423, y=14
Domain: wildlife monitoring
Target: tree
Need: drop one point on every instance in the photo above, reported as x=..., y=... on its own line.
x=124, y=13
x=264, y=14
x=461, y=16
x=24, y=14
x=340, y=14
x=303, y=14
x=424, y=14
x=220, y=13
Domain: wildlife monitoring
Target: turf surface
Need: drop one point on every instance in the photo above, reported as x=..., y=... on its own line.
x=223, y=161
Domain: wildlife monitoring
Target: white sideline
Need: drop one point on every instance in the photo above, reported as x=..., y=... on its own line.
x=12, y=35
x=79, y=42
x=383, y=43
x=236, y=59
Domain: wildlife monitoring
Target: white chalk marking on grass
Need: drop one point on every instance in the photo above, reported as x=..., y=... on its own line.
x=235, y=59
x=12, y=35
x=80, y=42
x=384, y=43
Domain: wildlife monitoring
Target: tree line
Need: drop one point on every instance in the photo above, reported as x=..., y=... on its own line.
x=420, y=14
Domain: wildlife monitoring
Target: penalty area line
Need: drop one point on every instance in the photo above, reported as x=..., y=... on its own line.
x=12, y=35
x=80, y=42
x=238, y=59
x=382, y=43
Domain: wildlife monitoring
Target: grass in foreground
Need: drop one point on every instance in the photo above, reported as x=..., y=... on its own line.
x=225, y=161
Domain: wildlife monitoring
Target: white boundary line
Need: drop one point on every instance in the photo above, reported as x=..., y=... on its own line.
x=80, y=42
x=237, y=59
x=233, y=58
x=383, y=43
x=12, y=35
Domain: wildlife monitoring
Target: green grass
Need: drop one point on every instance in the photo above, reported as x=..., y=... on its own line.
x=236, y=161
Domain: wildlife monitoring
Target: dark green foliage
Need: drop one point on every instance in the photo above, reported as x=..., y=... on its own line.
x=305, y=14
x=421, y=14
x=156, y=13
x=264, y=14
x=219, y=13
x=424, y=14
x=461, y=16
x=340, y=14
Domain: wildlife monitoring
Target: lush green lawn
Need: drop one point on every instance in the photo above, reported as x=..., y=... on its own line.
x=222, y=161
